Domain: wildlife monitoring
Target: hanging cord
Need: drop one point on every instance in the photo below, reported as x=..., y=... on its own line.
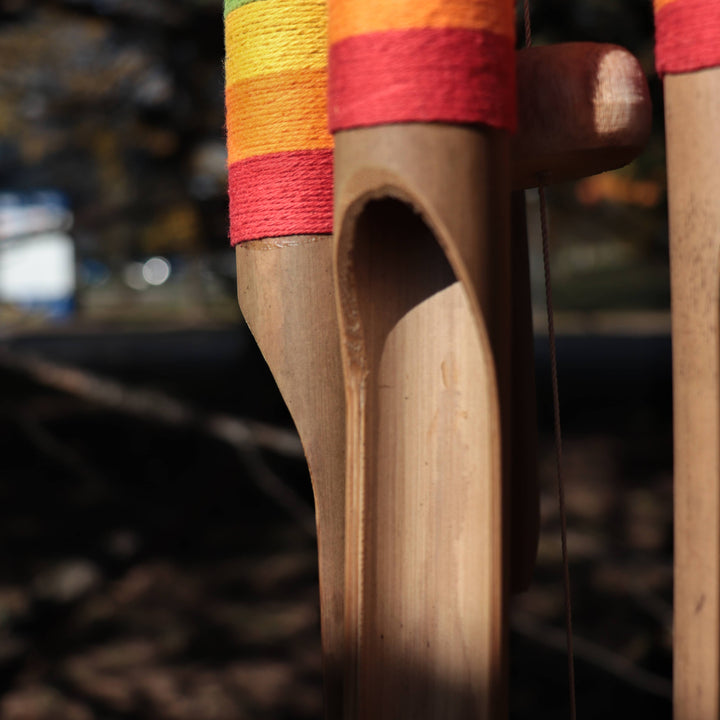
x=556, y=409
x=558, y=448
x=526, y=23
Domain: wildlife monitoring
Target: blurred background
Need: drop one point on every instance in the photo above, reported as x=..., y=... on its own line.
x=155, y=560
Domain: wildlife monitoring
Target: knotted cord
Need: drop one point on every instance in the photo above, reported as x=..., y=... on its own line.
x=556, y=410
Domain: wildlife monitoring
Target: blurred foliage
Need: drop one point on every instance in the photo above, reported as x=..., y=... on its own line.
x=625, y=22
x=609, y=232
x=628, y=23
x=119, y=104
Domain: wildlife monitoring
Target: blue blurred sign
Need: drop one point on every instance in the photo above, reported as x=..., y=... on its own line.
x=37, y=255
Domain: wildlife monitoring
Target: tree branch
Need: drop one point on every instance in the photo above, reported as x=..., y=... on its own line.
x=248, y=438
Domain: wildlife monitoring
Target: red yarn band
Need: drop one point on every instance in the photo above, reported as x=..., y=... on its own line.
x=286, y=193
x=687, y=36
x=425, y=75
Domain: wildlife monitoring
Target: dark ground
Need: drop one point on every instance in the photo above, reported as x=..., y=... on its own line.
x=142, y=574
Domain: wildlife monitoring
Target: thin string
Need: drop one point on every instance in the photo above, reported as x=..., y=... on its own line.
x=526, y=23
x=558, y=447
x=556, y=411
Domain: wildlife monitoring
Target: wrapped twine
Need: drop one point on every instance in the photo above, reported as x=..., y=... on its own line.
x=279, y=148
x=394, y=61
x=687, y=35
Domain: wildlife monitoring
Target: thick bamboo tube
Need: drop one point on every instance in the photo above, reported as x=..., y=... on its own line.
x=692, y=107
x=423, y=271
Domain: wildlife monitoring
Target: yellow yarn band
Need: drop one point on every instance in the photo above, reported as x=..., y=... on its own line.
x=272, y=37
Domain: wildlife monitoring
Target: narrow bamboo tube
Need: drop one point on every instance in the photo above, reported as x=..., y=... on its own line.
x=287, y=296
x=692, y=107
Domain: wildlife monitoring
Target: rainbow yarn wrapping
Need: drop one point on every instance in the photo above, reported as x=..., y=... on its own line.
x=421, y=61
x=279, y=148
x=687, y=35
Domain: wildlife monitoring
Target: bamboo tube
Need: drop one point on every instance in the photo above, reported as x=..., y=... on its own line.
x=287, y=297
x=692, y=107
x=422, y=265
x=423, y=271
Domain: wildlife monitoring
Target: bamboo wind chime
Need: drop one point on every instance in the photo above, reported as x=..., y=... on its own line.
x=424, y=484
x=688, y=57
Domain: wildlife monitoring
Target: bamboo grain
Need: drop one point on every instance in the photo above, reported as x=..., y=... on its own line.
x=692, y=107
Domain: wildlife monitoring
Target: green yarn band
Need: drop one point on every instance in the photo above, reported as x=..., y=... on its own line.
x=231, y=5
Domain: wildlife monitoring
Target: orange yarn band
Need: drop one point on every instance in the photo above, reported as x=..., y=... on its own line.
x=273, y=113
x=348, y=19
